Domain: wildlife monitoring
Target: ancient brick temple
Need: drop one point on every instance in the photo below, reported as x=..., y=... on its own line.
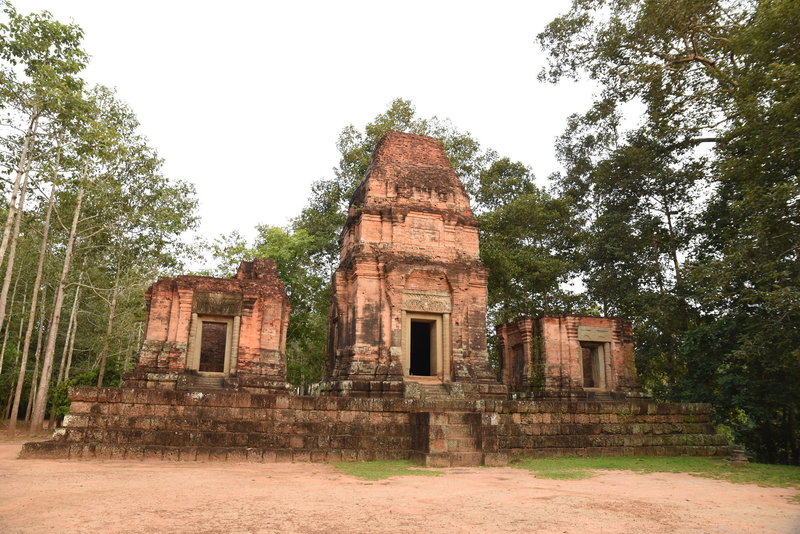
x=407, y=319
x=205, y=332
x=568, y=356
x=409, y=296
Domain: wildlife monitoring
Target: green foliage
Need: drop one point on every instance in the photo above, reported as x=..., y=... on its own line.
x=81, y=139
x=537, y=364
x=41, y=60
x=58, y=400
x=527, y=238
x=699, y=247
x=308, y=292
x=576, y=468
x=382, y=469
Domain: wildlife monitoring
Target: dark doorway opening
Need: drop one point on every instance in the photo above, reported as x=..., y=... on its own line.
x=212, y=347
x=421, y=348
x=588, y=366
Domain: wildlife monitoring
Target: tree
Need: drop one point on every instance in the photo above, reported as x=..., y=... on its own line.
x=38, y=80
x=699, y=246
x=527, y=238
x=31, y=317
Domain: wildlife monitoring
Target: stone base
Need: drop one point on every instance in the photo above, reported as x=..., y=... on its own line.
x=146, y=379
x=484, y=390
x=263, y=384
x=239, y=426
x=423, y=389
x=362, y=388
x=579, y=394
x=192, y=381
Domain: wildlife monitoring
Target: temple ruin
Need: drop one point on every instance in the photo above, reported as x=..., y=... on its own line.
x=408, y=374
x=568, y=356
x=205, y=332
x=409, y=296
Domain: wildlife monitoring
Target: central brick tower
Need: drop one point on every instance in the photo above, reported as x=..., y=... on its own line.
x=408, y=308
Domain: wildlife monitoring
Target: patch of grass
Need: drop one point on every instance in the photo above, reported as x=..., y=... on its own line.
x=761, y=474
x=381, y=469
x=564, y=474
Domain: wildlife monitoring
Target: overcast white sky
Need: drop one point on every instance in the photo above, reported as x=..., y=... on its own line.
x=246, y=99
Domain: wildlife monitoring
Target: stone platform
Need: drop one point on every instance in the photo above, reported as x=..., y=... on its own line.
x=237, y=426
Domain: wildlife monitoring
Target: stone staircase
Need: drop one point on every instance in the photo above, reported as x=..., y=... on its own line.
x=434, y=392
x=453, y=439
x=600, y=396
x=202, y=383
x=431, y=389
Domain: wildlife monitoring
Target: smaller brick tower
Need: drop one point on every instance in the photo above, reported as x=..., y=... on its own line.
x=216, y=332
x=568, y=356
x=409, y=297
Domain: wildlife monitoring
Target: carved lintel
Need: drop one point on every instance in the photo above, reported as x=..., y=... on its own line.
x=205, y=303
x=427, y=301
x=594, y=333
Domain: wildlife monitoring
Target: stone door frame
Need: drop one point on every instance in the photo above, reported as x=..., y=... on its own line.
x=196, y=342
x=599, y=352
x=440, y=343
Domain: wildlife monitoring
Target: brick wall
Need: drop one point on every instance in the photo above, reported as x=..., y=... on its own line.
x=178, y=425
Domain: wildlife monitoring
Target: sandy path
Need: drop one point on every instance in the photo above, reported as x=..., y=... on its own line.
x=112, y=496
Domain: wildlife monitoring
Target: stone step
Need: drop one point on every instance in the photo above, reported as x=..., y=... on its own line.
x=448, y=459
x=599, y=396
x=203, y=383
x=434, y=392
x=120, y=436
x=87, y=451
x=459, y=431
x=462, y=444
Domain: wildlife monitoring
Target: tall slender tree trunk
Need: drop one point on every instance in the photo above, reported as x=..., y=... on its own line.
x=40, y=404
x=62, y=369
x=12, y=424
x=673, y=242
x=39, y=336
x=22, y=165
x=70, y=326
x=112, y=309
x=12, y=251
x=68, y=339
x=5, y=334
x=21, y=322
x=3, y=349
x=71, y=349
x=134, y=344
x=64, y=350
x=6, y=406
x=794, y=447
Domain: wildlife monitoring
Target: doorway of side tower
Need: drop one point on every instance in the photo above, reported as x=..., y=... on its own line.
x=214, y=339
x=422, y=350
x=211, y=346
x=593, y=364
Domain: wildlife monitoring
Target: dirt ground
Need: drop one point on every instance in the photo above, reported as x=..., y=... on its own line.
x=118, y=496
